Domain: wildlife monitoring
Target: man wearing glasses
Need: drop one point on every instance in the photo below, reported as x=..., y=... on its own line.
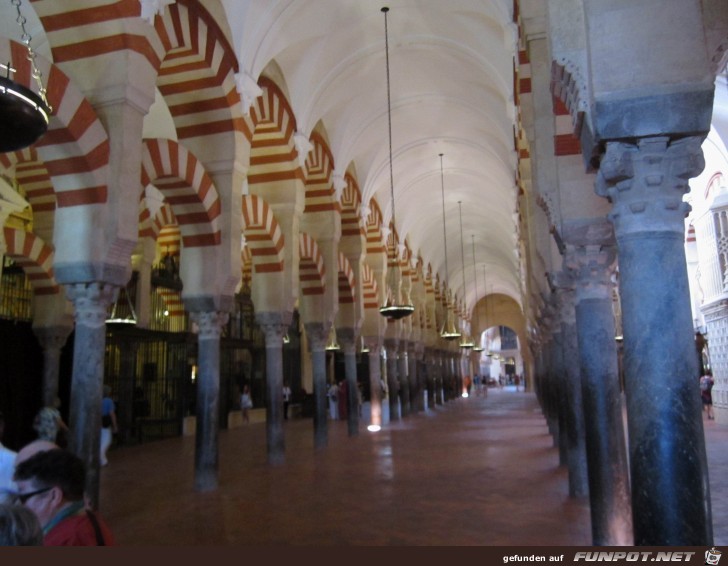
x=51, y=484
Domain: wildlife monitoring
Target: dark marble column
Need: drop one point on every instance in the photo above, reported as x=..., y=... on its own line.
x=414, y=378
x=91, y=302
x=375, y=385
x=573, y=404
x=274, y=325
x=207, y=422
x=347, y=340
x=609, y=494
x=393, y=377
x=557, y=378
x=317, y=334
x=51, y=339
x=404, y=378
x=670, y=490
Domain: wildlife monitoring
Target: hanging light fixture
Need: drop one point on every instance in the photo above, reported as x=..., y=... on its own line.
x=477, y=346
x=393, y=308
x=24, y=114
x=127, y=316
x=448, y=330
x=485, y=283
x=466, y=342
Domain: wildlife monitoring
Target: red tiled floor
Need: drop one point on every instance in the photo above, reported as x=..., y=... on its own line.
x=473, y=472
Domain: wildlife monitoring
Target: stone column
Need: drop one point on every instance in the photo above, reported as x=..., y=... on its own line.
x=91, y=302
x=51, y=339
x=573, y=406
x=375, y=385
x=609, y=495
x=317, y=334
x=274, y=325
x=645, y=183
x=404, y=379
x=557, y=387
x=414, y=378
x=347, y=339
x=393, y=378
x=208, y=398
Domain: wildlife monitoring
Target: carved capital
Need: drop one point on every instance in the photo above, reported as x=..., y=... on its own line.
x=209, y=324
x=317, y=334
x=645, y=183
x=91, y=302
x=274, y=325
x=593, y=267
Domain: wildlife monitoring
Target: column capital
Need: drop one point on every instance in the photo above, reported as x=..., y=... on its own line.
x=593, y=267
x=52, y=337
x=645, y=182
x=209, y=323
x=317, y=334
x=274, y=325
x=91, y=301
x=347, y=340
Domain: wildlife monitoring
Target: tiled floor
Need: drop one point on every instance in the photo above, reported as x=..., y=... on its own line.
x=473, y=472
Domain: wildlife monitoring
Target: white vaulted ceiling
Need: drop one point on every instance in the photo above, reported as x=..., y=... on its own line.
x=451, y=74
x=451, y=92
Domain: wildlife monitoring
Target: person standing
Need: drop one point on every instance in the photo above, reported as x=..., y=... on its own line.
x=108, y=424
x=333, y=395
x=706, y=393
x=51, y=484
x=286, y=400
x=246, y=403
x=48, y=423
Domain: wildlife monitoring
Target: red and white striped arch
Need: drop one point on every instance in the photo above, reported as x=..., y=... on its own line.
x=168, y=240
x=273, y=154
x=188, y=189
x=31, y=173
x=263, y=235
x=347, y=281
x=319, y=167
x=247, y=266
x=369, y=288
x=351, y=224
x=75, y=150
x=311, y=270
x=197, y=73
x=35, y=257
x=374, y=229
x=172, y=301
x=150, y=227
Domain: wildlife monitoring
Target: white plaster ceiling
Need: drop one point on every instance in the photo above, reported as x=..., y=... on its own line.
x=451, y=69
x=452, y=93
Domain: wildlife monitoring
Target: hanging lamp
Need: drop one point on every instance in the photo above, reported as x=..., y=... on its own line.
x=448, y=331
x=121, y=319
x=393, y=308
x=477, y=346
x=485, y=283
x=466, y=342
x=24, y=114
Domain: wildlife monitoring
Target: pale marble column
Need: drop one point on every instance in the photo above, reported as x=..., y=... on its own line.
x=274, y=325
x=670, y=490
x=91, y=302
x=208, y=398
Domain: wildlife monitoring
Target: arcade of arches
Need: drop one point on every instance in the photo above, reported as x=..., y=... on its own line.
x=216, y=180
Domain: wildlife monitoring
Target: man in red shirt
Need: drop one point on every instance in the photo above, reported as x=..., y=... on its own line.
x=51, y=484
